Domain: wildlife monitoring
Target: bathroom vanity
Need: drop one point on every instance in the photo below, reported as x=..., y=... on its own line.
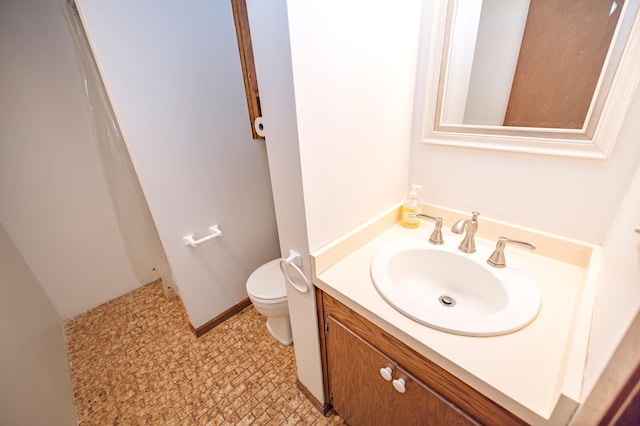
x=381, y=366
x=409, y=387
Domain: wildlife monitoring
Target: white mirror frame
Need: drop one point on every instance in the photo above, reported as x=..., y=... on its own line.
x=594, y=140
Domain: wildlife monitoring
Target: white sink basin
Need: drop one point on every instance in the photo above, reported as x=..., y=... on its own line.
x=443, y=288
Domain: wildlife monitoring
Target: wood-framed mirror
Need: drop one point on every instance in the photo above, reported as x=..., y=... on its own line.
x=470, y=40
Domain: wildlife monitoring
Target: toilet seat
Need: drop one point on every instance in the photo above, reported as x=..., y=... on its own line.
x=267, y=283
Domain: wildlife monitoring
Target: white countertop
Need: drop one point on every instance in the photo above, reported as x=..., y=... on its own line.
x=526, y=371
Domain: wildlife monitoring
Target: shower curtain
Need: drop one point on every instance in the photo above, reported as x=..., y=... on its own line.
x=142, y=243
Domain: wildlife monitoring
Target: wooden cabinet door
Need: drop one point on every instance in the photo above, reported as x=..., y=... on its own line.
x=357, y=390
x=421, y=405
x=361, y=396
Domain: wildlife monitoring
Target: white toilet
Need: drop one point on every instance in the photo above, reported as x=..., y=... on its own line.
x=267, y=291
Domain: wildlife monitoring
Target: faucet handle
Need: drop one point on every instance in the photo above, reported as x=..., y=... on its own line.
x=436, y=235
x=497, y=258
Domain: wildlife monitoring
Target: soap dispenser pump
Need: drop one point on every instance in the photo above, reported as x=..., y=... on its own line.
x=411, y=208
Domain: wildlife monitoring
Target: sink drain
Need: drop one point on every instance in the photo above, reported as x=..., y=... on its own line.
x=447, y=301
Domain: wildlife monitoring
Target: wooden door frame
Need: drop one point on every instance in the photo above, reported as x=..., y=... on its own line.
x=245, y=48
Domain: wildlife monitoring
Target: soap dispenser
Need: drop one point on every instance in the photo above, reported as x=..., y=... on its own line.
x=411, y=208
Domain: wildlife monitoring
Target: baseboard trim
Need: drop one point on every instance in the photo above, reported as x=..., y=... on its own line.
x=312, y=399
x=210, y=325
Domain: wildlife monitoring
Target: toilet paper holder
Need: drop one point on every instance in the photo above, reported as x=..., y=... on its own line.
x=294, y=261
x=258, y=125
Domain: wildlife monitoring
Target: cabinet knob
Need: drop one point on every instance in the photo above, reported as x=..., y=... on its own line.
x=399, y=385
x=386, y=373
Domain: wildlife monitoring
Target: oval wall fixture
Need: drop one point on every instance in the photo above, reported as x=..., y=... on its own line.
x=294, y=261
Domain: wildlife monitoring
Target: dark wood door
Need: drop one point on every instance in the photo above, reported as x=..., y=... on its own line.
x=361, y=396
x=563, y=49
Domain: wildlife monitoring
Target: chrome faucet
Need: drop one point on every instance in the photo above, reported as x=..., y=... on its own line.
x=469, y=227
x=436, y=235
x=497, y=259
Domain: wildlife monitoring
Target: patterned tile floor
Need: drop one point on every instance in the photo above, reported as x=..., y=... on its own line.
x=134, y=361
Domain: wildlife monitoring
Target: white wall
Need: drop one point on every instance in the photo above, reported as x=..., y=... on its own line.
x=353, y=70
x=618, y=296
x=272, y=54
x=337, y=111
x=36, y=384
x=575, y=198
x=54, y=199
x=346, y=96
x=173, y=74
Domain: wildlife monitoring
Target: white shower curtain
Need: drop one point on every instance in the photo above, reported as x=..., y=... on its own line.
x=142, y=243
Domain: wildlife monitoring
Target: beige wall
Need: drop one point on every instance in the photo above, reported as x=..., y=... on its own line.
x=36, y=387
x=354, y=67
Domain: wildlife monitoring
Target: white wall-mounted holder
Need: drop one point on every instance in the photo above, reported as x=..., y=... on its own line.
x=215, y=233
x=259, y=126
x=294, y=261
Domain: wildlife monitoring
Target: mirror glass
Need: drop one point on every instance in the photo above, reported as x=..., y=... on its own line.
x=531, y=75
